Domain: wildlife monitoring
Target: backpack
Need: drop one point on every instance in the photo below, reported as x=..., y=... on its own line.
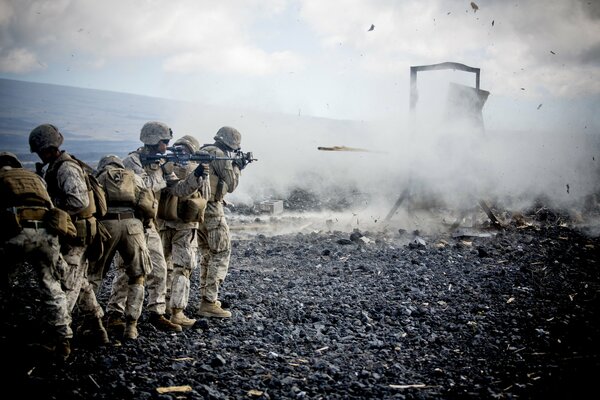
x=119, y=186
x=99, y=196
x=121, y=191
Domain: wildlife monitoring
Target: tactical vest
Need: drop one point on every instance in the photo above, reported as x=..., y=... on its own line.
x=182, y=209
x=20, y=187
x=23, y=196
x=54, y=191
x=122, y=191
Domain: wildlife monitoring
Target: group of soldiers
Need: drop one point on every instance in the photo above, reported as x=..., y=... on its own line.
x=158, y=218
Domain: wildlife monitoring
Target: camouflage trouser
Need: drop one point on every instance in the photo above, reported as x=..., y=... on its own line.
x=156, y=278
x=77, y=286
x=180, y=249
x=214, y=244
x=42, y=251
x=127, y=237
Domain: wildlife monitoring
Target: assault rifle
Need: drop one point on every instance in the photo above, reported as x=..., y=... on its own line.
x=178, y=155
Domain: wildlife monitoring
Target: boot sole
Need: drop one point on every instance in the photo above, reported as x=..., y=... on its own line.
x=185, y=325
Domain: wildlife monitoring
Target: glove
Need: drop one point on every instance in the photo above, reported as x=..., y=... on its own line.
x=240, y=163
x=201, y=169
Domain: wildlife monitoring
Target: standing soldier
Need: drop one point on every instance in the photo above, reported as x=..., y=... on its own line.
x=126, y=209
x=156, y=137
x=27, y=238
x=213, y=235
x=69, y=189
x=178, y=233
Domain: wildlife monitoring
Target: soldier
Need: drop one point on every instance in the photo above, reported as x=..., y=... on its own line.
x=178, y=235
x=32, y=247
x=213, y=234
x=123, y=221
x=69, y=189
x=156, y=137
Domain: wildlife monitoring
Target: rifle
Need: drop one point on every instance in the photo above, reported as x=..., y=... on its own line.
x=178, y=155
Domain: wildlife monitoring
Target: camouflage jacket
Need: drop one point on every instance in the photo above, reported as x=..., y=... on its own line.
x=66, y=185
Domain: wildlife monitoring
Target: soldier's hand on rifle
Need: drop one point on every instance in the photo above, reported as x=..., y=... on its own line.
x=168, y=167
x=201, y=170
x=240, y=163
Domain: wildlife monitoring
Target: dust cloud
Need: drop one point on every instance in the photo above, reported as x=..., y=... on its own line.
x=444, y=163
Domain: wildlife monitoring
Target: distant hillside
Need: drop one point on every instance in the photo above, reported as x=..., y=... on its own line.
x=94, y=122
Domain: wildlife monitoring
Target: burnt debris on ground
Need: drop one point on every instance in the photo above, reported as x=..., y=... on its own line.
x=485, y=312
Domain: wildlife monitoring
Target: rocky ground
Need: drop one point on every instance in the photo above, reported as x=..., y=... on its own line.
x=484, y=312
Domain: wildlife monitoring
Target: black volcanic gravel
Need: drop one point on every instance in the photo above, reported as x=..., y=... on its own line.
x=327, y=315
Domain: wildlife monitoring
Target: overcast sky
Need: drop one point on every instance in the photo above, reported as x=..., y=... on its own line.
x=540, y=59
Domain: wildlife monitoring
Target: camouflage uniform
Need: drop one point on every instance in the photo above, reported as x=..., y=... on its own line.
x=68, y=191
x=214, y=240
x=180, y=247
x=153, y=176
x=127, y=237
x=36, y=252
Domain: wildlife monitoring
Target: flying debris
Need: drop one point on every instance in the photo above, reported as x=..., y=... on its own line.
x=371, y=28
x=540, y=106
x=552, y=52
x=475, y=7
x=492, y=22
x=344, y=148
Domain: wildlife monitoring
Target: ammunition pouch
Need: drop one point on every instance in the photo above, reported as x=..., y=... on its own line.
x=191, y=209
x=95, y=249
x=86, y=231
x=146, y=205
x=167, y=206
x=58, y=222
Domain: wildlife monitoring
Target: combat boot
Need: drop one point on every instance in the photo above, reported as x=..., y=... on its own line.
x=161, y=323
x=212, y=309
x=115, y=324
x=179, y=318
x=92, y=332
x=131, y=332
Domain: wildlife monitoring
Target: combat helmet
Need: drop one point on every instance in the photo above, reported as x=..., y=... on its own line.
x=7, y=158
x=43, y=137
x=188, y=141
x=110, y=159
x=153, y=132
x=230, y=137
